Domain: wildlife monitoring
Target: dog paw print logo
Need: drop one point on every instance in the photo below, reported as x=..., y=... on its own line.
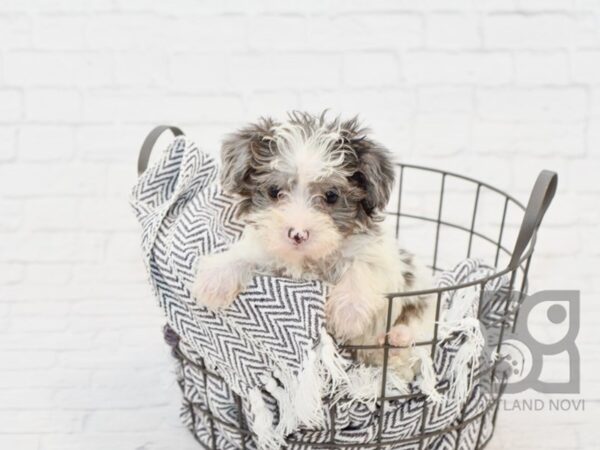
x=540, y=353
x=517, y=360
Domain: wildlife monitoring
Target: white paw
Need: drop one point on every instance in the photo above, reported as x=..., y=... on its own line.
x=398, y=336
x=216, y=287
x=348, y=314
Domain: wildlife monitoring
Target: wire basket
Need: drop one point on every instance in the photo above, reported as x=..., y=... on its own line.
x=444, y=217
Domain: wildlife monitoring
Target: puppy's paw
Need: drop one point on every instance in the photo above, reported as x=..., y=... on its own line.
x=216, y=287
x=348, y=314
x=398, y=336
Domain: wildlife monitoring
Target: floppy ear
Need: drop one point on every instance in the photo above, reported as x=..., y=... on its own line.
x=375, y=175
x=239, y=154
x=374, y=172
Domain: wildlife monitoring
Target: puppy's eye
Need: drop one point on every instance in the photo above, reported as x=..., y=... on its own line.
x=273, y=192
x=331, y=197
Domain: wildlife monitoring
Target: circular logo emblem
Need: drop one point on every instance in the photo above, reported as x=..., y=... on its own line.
x=517, y=360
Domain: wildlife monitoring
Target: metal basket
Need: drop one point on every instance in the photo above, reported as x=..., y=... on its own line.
x=487, y=237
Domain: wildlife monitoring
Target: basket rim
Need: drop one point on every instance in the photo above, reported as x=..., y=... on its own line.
x=483, y=280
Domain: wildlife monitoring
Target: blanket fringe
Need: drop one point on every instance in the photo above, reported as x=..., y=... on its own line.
x=427, y=381
x=364, y=386
x=333, y=366
x=300, y=397
x=458, y=321
x=262, y=424
x=466, y=358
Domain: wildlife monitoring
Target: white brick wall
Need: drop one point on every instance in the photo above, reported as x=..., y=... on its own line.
x=496, y=89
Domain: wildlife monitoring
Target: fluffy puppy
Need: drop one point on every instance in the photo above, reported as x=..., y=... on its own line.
x=311, y=192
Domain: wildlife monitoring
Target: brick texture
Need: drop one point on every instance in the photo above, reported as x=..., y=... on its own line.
x=495, y=89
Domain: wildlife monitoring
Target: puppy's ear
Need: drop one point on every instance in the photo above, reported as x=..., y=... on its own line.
x=240, y=154
x=375, y=175
x=375, y=171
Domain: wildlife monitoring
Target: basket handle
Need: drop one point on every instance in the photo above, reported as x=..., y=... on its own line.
x=149, y=142
x=539, y=200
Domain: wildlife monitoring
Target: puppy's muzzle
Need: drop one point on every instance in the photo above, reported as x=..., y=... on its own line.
x=298, y=236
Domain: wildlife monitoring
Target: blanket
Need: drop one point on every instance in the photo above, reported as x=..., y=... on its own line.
x=271, y=348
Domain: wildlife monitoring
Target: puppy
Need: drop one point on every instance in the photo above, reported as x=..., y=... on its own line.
x=311, y=192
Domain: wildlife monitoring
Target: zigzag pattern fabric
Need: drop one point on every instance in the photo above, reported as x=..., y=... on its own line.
x=263, y=343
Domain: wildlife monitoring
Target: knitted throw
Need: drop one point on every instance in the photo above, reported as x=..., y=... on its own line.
x=270, y=346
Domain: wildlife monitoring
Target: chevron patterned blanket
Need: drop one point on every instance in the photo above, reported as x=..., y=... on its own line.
x=270, y=347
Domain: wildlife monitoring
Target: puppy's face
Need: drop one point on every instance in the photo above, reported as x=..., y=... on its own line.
x=307, y=183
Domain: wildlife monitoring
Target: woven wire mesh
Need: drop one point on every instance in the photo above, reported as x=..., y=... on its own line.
x=449, y=217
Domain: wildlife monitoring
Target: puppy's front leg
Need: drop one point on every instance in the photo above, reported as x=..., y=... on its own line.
x=354, y=303
x=222, y=276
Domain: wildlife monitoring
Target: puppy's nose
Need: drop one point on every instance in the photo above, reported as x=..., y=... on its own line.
x=298, y=236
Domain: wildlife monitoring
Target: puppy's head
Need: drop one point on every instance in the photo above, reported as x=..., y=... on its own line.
x=307, y=183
